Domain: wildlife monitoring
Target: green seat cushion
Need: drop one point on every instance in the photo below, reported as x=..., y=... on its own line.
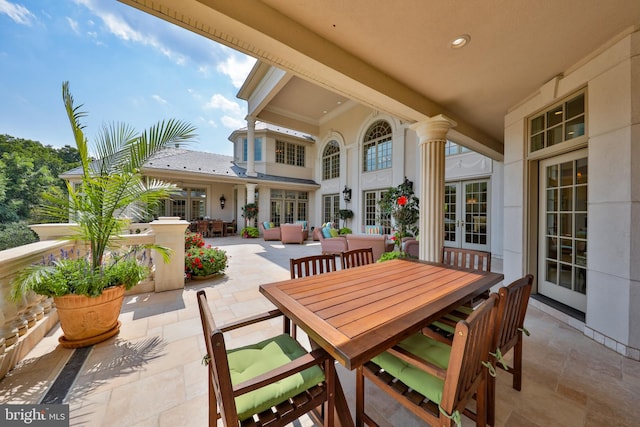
x=430, y=350
x=250, y=361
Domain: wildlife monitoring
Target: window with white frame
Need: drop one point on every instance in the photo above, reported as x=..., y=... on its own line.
x=290, y=154
x=377, y=147
x=562, y=122
x=451, y=148
x=330, y=207
x=288, y=206
x=331, y=161
x=372, y=213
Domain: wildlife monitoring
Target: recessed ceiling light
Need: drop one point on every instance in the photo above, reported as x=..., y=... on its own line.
x=460, y=41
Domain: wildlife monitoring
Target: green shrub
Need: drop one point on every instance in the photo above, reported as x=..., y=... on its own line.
x=16, y=234
x=345, y=230
x=76, y=276
x=250, y=232
x=387, y=256
x=205, y=261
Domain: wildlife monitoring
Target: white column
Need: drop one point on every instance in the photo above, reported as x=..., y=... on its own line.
x=432, y=134
x=251, y=138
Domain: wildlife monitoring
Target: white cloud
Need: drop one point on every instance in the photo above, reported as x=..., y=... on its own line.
x=17, y=12
x=73, y=24
x=232, y=122
x=219, y=102
x=119, y=27
x=159, y=99
x=237, y=67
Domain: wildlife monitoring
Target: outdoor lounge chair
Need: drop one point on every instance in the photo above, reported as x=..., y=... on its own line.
x=292, y=233
x=271, y=233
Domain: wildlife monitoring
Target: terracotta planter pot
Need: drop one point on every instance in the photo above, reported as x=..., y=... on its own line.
x=86, y=321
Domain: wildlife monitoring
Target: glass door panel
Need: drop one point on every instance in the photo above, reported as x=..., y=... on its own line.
x=451, y=220
x=466, y=215
x=563, y=233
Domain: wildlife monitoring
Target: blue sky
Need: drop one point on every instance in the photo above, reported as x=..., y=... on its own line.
x=122, y=64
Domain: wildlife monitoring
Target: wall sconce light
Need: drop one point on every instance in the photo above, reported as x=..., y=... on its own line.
x=346, y=194
x=222, y=201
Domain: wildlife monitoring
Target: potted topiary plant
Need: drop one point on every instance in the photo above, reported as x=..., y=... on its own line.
x=88, y=291
x=345, y=214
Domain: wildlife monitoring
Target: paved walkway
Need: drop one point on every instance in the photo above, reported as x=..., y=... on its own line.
x=151, y=373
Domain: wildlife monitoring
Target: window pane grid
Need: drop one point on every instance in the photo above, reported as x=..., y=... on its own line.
x=566, y=225
x=330, y=205
x=290, y=154
x=377, y=147
x=331, y=161
x=558, y=124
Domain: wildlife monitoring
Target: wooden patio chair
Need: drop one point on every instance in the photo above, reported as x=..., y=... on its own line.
x=203, y=228
x=435, y=381
x=230, y=228
x=357, y=258
x=467, y=258
x=254, y=386
x=512, y=309
x=217, y=227
x=311, y=265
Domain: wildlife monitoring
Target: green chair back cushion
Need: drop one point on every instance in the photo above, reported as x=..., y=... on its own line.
x=430, y=350
x=253, y=360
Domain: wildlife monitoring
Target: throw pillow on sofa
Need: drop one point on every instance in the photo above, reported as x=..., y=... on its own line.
x=333, y=232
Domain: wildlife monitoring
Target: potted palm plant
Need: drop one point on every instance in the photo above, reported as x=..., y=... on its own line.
x=88, y=291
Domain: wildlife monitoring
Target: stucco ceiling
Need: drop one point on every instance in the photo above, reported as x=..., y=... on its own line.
x=396, y=56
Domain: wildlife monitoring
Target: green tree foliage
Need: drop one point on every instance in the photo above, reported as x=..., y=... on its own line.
x=15, y=234
x=28, y=170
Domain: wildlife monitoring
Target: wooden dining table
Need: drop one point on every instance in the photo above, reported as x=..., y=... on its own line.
x=357, y=313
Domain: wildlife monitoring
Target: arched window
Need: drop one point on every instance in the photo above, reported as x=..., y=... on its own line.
x=331, y=160
x=377, y=146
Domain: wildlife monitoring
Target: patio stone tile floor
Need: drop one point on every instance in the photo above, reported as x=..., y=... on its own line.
x=151, y=373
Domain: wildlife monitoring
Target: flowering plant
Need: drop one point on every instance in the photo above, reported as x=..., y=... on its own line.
x=400, y=204
x=205, y=261
x=193, y=240
x=250, y=211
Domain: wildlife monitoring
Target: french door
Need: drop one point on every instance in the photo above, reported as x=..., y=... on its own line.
x=466, y=215
x=562, y=266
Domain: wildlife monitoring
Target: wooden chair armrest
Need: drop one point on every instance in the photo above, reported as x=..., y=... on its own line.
x=251, y=320
x=436, y=336
x=418, y=362
x=315, y=357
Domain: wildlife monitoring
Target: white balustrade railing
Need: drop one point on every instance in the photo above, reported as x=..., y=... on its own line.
x=20, y=319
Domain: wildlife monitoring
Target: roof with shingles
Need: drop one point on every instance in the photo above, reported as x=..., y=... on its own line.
x=210, y=164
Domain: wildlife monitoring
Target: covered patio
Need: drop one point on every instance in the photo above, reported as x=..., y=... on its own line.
x=151, y=373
